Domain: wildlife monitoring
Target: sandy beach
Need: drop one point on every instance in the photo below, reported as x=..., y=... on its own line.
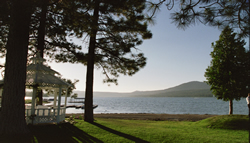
x=155, y=117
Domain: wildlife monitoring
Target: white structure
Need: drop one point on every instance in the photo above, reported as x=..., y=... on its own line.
x=42, y=76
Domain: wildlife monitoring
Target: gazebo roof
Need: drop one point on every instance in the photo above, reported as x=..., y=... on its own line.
x=42, y=75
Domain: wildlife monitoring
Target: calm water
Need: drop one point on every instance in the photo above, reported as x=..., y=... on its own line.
x=165, y=105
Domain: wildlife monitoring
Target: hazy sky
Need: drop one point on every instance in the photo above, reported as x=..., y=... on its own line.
x=174, y=56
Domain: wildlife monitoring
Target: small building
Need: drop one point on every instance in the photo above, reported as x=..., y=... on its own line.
x=42, y=76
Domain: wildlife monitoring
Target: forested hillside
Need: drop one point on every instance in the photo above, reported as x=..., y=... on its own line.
x=190, y=89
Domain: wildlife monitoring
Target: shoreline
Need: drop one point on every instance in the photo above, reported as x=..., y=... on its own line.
x=148, y=116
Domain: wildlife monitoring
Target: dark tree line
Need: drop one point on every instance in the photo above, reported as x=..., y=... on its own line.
x=112, y=29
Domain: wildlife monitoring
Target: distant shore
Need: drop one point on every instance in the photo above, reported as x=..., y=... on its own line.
x=144, y=116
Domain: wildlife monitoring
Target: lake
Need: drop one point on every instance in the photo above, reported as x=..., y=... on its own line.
x=165, y=105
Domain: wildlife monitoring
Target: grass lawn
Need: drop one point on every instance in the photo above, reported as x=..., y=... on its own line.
x=29, y=101
x=225, y=128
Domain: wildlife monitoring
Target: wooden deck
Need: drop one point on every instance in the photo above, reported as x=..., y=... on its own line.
x=76, y=100
x=79, y=106
x=73, y=106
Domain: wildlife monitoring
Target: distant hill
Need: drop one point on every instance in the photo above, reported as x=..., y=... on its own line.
x=189, y=89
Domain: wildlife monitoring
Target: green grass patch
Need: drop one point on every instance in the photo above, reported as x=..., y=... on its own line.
x=29, y=101
x=232, y=122
x=212, y=130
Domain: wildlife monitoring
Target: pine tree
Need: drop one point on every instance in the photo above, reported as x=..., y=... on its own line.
x=227, y=72
x=113, y=29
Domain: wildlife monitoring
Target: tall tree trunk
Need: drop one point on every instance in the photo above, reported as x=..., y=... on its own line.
x=12, y=115
x=40, y=40
x=88, y=113
x=249, y=66
x=230, y=107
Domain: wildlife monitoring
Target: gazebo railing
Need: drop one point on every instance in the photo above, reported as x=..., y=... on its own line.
x=44, y=115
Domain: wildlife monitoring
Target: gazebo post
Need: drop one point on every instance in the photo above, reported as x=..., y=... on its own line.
x=65, y=104
x=55, y=97
x=1, y=92
x=33, y=104
x=59, y=105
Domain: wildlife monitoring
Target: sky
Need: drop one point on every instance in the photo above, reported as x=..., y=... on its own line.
x=174, y=56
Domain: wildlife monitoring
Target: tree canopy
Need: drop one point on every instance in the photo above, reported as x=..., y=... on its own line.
x=219, y=13
x=48, y=34
x=112, y=29
x=119, y=26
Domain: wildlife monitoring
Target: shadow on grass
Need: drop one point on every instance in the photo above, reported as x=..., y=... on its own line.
x=63, y=133
x=132, y=138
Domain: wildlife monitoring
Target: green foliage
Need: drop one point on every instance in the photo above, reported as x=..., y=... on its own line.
x=4, y=28
x=112, y=29
x=48, y=34
x=74, y=95
x=233, y=13
x=71, y=88
x=69, y=91
x=120, y=28
x=227, y=72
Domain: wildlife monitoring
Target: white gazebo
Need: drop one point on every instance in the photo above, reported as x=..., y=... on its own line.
x=42, y=76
